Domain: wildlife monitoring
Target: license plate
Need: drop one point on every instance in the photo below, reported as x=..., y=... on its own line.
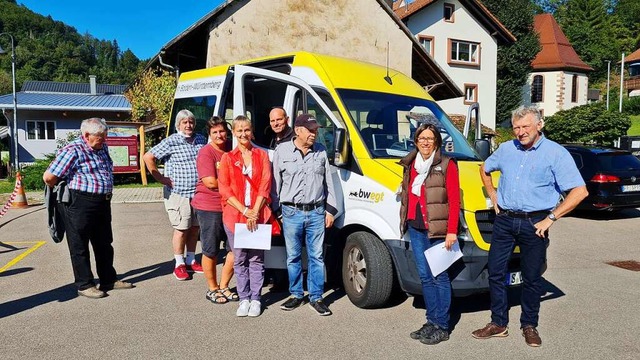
x=514, y=278
x=629, y=188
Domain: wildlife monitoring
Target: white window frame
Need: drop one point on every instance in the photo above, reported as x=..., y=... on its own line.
x=455, y=44
x=36, y=133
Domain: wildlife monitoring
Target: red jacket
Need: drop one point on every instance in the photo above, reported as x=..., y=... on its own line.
x=231, y=183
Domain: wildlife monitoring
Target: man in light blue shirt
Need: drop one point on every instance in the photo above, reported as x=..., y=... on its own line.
x=534, y=172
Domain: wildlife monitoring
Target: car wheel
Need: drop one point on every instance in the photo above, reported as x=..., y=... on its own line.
x=367, y=270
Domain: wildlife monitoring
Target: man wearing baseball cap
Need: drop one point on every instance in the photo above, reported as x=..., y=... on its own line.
x=306, y=198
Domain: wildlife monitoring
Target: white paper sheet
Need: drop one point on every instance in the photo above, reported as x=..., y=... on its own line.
x=440, y=259
x=259, y=239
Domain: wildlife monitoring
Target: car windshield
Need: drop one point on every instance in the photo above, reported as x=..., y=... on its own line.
x=388, y=122
x=618, y=162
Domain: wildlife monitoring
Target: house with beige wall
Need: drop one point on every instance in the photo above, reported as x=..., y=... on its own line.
x=462, y=36
x=559, y=78
x=365, y=30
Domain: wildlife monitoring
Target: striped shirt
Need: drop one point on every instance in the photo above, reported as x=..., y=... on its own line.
x=83, y=168
x=179, y=157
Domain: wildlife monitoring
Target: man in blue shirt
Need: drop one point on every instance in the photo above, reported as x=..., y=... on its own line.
x=179, y=152
x=534, y=172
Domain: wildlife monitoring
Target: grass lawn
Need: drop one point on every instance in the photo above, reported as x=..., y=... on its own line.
x=6, y=187
x=634, y=130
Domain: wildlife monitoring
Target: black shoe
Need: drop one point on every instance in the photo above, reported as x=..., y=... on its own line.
x=292, y=303
x=438, y=336
x=426, y=330
x=320, y=308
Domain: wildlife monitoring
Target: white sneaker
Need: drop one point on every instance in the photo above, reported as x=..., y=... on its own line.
x=243, y=308
x=255, y=309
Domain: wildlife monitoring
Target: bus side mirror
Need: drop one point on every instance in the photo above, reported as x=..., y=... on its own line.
x=340, y=147
x=483, y=148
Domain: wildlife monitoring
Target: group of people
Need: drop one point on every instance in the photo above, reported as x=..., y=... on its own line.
x=209, y=191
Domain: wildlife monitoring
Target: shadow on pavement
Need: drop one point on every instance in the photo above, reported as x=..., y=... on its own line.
x=36, y=208
x=9, y=248
x=148, y=272
x=15, y=271
x=60, y=294
x=68, y=292
x=482, y=302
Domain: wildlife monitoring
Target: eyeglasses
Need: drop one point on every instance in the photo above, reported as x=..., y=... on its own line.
x=426, y=139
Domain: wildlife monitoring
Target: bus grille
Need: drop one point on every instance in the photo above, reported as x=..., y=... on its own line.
x=484, y=219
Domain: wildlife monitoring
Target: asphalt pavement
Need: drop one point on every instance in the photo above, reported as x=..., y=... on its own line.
x=590, y=310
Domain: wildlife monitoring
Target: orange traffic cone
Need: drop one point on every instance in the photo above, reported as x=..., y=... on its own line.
x=20, y=201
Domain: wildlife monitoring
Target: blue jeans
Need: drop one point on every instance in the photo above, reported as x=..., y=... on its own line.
x=304, y=228
x=507, y=233
x=436, y=291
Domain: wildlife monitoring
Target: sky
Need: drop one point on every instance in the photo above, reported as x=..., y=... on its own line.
x=143, y=26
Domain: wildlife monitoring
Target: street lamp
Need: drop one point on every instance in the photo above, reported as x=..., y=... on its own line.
x=14, y=134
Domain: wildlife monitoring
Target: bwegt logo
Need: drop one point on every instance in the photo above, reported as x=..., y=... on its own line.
x=368, y=196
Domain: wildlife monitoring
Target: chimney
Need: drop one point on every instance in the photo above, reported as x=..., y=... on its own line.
x=92, y=84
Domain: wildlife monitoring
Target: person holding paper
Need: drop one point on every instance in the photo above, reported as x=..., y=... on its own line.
x=535, y=170
x=429, y=211
x=245, y=182
x=208, y=208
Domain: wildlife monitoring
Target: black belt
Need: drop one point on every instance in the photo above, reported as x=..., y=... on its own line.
x=104, y=197
x=523, y=214
x=304, y=207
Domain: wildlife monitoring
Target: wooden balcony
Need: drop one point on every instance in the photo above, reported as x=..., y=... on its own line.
x=632, y=83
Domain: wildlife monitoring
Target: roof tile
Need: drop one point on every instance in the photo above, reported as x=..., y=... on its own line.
x=557, y=52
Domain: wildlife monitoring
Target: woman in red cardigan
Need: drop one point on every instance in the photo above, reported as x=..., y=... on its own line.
x=244, y=183
x=430, y=210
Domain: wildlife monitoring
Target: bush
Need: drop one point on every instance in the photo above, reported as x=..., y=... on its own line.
x=631, y=105
x=32, y=174
x=503, y=134
x=590, y=123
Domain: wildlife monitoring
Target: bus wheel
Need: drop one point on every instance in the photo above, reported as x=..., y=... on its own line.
x=367, y=270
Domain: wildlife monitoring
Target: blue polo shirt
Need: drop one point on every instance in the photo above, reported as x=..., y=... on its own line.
x=533, y=179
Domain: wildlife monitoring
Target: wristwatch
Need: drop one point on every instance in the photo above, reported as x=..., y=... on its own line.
x=552, y=217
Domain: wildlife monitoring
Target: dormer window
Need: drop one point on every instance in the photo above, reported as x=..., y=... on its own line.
x=449, y=9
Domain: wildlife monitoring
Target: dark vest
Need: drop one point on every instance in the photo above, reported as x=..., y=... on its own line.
x=435, y=193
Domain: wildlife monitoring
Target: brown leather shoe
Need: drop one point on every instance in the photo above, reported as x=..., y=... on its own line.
x=491, y=330
x=92, y=293
x=118, y=285
x=531, y=336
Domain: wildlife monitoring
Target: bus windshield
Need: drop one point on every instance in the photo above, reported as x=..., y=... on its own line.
x=387, y=123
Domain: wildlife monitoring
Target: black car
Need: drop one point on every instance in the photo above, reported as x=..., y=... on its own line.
x=612, y=177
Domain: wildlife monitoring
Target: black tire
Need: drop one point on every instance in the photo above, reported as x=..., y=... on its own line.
x=367, y=271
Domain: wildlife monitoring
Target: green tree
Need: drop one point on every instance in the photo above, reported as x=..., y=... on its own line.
x=587, y=124
x=595, y=33
x=514, y=61
x=629, y=13
x=51, y=50
x=152, y=95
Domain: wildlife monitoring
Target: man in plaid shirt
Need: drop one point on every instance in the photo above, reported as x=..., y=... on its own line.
x=87, y=168
x=179, y=152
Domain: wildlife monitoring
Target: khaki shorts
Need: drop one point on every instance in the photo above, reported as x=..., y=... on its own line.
x=180, y=212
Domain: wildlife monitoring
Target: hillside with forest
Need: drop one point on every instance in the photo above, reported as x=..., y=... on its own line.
x=50, y=50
